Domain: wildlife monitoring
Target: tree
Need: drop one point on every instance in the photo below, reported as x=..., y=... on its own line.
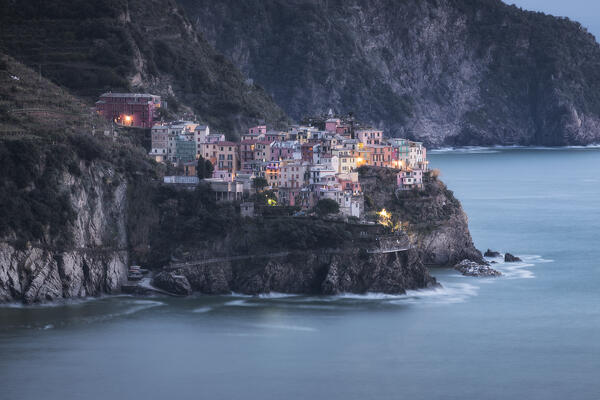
x=260, y=183
x=327, y=206
x=204, y=168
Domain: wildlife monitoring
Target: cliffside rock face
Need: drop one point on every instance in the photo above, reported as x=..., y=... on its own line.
x=172, y=283
x=432, y=217
x=95, y=261
x=313, y=272
x=64, y=193
x=91, y=47
x=447, y=72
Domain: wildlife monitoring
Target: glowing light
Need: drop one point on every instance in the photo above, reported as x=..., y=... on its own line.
x=384, y=214
x=271, y=202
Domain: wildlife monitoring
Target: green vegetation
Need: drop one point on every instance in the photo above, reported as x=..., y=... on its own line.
x=260, y=183
x=204, y=168
x=486, y=72
x=417, y=210
x=326, y=207
x=94, y=46
x=37, y=149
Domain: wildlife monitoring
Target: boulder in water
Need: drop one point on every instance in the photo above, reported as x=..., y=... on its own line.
x=472, y=268
x=510, y=258
x=172, y=283
x=491, y=253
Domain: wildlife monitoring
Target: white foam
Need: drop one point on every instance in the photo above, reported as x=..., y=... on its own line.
x=519, y=269
x=286, y=327
x=202, y=310
x=369, y=296
x=449, y=293
x=276, y=295
x=240, y=303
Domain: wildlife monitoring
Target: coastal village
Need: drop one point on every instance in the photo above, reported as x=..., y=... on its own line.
x=300, y=165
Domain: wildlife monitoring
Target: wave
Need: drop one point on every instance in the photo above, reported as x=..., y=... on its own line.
x=240, y=303
x=276, y=295
x=286, y=327
x=519, y=269
x=449, y=293
x=202, y=310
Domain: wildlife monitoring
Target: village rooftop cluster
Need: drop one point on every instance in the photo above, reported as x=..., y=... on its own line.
x=302, y=164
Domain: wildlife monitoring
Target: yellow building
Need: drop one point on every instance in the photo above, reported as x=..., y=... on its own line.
x=223, y=155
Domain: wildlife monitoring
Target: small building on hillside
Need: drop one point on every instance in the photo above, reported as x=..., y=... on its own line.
x=409, y=179
x=129, y=109
x=225, y=191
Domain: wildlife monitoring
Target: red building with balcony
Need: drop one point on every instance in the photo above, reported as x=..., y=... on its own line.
x=129, y=109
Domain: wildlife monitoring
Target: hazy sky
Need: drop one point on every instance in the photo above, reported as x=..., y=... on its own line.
x=586, y=12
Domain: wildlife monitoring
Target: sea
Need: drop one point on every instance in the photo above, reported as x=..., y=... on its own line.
x=533, y=333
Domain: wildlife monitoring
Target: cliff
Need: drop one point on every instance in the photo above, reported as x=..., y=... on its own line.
x=446, y=72
x=90, y=47
x=313, y=272
x=64, y=192
x=433, y=218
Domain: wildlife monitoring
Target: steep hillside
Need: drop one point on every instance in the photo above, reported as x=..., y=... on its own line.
x=449, y=72
x=65, y=186
x=93, y=46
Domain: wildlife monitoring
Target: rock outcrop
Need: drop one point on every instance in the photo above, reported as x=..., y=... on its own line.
x=471, y=268
x=491, y=253
x=172, y=283
x=95, y=262
x=313, y=272
x=510, y=258
x=432, y=217
x=447, y=72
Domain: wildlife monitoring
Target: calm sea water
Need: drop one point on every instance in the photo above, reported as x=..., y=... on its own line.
x=533, y=334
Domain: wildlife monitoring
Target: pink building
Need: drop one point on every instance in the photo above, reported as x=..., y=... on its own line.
x=258, y=130
x=129, y=109
x=331, y=124
x=247, y=150
x=282, y=151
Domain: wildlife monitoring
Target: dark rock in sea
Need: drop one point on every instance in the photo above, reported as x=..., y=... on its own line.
x=472, y=268
x=494, y=262
x=491, y=253
x=510, y=258
x=172, y=283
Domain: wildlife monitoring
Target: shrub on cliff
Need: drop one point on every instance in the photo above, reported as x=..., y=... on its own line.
x=327, y=206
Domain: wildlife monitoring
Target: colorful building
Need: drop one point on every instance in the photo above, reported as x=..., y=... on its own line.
x=129, y=109
x=370, y=136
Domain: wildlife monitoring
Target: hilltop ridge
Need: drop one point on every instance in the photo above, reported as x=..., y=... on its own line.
x=446, y=72
x=90, y=47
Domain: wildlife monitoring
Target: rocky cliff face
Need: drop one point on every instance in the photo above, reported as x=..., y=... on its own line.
x=91, y=47
x=432, y=217
x=313, y=272
x=96, y=260
x=65, y=192
x=447, y=72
